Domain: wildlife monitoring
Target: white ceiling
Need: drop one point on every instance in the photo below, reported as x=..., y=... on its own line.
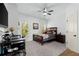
x=31, y=9
x=34, y=7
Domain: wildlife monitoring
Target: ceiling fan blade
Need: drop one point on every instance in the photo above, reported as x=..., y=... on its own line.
x=42, y=10
x=50, y=11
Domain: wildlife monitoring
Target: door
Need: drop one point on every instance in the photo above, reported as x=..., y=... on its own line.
x=72, y=41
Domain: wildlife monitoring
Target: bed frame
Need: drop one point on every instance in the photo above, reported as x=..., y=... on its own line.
x=52, y=31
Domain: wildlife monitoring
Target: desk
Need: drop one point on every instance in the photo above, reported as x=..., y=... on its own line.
x=12, y=44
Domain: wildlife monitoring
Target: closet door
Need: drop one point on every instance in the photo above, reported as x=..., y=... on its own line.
x=71, y=35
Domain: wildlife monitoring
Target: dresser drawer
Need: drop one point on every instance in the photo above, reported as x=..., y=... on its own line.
x=61, y=38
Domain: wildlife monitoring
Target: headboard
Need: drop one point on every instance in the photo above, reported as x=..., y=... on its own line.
x=51, y=30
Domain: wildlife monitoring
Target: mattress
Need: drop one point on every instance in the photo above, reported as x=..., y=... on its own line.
x=47, y=37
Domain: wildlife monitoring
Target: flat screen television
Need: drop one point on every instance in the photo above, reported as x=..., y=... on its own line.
x=3, y=16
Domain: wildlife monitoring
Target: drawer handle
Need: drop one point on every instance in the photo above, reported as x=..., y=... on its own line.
x=74, y=35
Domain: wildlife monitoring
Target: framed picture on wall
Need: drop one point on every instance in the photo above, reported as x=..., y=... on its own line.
x=35, y=26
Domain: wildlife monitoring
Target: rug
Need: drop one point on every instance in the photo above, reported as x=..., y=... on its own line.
x=68, y=52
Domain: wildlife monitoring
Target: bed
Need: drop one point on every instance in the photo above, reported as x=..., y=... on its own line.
x=49, y=35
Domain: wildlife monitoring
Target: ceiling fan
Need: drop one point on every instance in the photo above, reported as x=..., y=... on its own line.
x=45, y=11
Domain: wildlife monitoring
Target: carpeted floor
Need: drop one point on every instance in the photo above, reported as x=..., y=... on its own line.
x=48, y=49
x=68, y=52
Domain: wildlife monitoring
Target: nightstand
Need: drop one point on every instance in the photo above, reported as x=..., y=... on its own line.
x=60, y=38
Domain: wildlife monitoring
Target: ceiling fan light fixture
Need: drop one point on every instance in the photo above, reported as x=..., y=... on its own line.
x=46, y=11
x=44, y=14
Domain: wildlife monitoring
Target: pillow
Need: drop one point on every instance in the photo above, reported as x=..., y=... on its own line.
x=45, y=36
